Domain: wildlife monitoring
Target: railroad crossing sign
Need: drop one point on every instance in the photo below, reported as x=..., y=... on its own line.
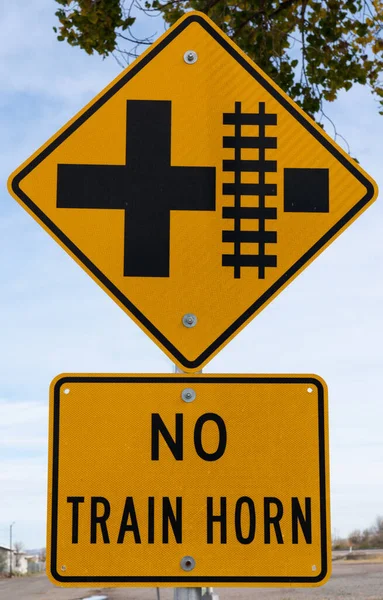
x=193, y=190
x=166, y=484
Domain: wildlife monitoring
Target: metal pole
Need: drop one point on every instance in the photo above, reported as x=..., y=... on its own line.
x=10, y=548
x=192, y=593
x=189, y=593
x=210, y=595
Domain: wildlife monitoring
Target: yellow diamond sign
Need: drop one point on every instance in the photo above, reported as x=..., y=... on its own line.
x=193, y=190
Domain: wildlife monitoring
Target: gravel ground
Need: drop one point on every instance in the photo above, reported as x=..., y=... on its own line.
x=349, y=581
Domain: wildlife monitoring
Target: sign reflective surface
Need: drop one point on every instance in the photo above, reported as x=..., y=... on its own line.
x=192, y=187
x=188, y=481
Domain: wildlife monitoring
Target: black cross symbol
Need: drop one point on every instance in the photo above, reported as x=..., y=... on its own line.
x=147, y=188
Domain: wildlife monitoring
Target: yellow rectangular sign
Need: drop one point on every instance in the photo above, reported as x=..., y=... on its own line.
x=181, y=480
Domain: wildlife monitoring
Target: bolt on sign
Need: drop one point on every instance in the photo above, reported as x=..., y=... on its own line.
x=193, y=190
x=188, y=480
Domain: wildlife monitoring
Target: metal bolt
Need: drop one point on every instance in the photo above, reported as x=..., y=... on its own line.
x=187, y=563
x=188, y=395
x=63, y=568
x=189, y=320
x=190, y=57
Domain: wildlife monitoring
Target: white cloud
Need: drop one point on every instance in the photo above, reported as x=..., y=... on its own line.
x=21, y=414
x=23, y=476
x=23, y=426
x=54, y=318
x=34, y=62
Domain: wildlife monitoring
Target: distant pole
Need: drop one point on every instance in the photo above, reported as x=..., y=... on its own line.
x=10, y=548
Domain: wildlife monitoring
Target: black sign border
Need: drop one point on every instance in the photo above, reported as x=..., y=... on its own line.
x=303, y=120
x=67, y=380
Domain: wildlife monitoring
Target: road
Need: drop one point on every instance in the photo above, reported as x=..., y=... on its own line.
x=350, y=581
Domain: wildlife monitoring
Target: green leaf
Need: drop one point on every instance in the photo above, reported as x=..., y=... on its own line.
x=342, y=43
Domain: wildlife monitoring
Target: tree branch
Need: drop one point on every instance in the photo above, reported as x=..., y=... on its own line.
x=283, y=6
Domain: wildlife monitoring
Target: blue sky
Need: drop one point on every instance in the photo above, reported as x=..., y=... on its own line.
x=54, y=318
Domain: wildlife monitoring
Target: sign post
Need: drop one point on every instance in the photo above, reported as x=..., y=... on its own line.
x=181, y=593
x=193, y=191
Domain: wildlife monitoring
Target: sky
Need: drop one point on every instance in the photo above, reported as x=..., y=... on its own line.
x=54, y=318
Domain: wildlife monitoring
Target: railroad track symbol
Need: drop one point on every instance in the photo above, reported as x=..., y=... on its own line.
x=305, y=190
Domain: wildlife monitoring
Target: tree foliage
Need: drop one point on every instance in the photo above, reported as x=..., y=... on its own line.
x=369, y=538
x=91, y=24
x=311, y=48
x=18, y=548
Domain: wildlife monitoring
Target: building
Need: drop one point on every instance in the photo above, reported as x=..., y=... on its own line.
x=6, y=555
x=22, y=563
